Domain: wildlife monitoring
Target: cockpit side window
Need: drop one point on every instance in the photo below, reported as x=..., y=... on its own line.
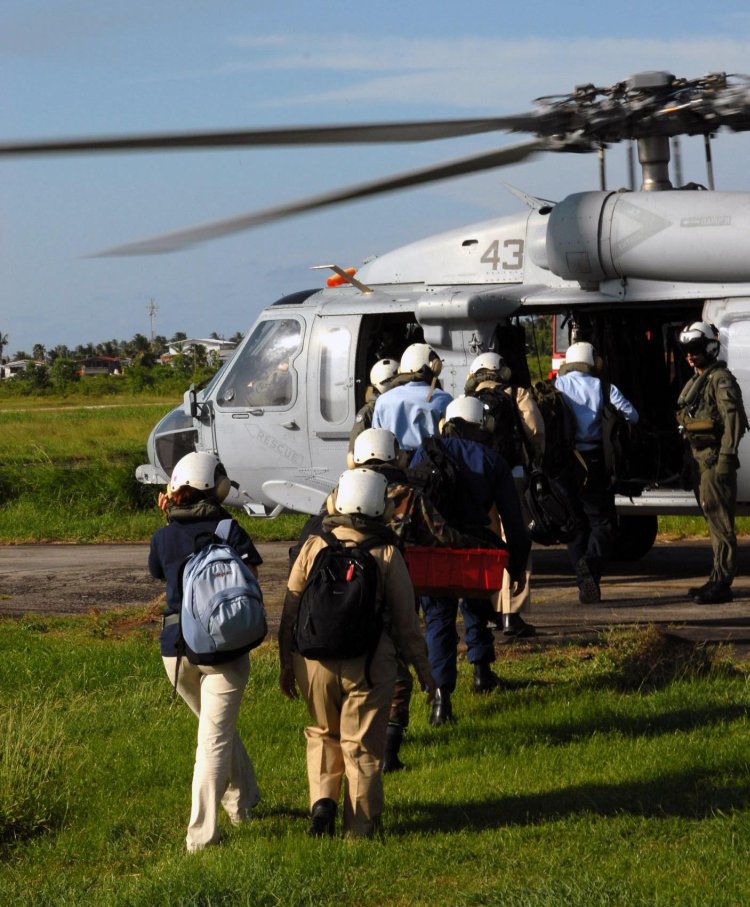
x=263, y=375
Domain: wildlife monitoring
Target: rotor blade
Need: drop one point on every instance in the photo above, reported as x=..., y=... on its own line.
x=366, y=133
x=181, y=239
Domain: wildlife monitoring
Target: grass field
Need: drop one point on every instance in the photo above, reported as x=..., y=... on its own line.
x=67, y=472
x=612, y=775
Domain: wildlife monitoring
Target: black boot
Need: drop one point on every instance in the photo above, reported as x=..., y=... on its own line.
x=699, y=590
x=485, y=679
x=442, y=710
x=515, y=625
x=714, y=594
x=588, y=587
x=393, y=737
x=322, y=818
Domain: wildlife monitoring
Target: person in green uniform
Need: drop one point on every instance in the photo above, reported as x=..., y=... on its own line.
x=712, y=418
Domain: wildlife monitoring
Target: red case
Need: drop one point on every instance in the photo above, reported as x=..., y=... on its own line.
x=463, y=572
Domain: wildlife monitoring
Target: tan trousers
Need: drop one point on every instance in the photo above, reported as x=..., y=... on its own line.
x=505, y=603
x=347, y=738
x=223, y=773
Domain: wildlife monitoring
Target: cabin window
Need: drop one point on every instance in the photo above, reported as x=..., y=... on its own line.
x=262, y=373
x=334, y=374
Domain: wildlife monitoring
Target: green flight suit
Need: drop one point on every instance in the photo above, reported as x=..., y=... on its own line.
x=712, y=417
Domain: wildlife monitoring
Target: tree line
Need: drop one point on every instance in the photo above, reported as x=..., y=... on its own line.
x=59, y=369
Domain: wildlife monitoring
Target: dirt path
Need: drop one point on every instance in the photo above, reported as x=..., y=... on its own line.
x=65, y=579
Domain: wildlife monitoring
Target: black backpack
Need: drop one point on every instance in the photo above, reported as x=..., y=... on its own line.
x=559, y=427
x=503, y=422
x=339, y=616
x=438, y=477
x=553, y=514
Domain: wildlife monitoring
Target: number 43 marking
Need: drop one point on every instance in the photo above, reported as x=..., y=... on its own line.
x=514, y=259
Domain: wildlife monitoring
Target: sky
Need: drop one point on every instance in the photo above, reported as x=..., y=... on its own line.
x=87, y=67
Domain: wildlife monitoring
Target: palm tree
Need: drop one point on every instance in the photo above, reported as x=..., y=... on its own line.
x=3, y=344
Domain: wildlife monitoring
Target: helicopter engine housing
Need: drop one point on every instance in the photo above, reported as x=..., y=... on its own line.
x=674, y=235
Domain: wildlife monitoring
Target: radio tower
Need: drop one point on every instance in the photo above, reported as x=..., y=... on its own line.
x=152, y=308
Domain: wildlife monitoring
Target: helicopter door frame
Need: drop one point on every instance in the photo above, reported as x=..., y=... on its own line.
x=260, y=405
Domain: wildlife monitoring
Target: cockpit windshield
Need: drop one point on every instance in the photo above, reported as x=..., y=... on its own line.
x=262, y=373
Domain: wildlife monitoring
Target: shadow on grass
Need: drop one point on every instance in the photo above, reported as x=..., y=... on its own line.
x=577, y=728
x=689, y=795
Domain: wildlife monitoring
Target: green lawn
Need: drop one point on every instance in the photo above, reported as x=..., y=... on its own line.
x=612, y=775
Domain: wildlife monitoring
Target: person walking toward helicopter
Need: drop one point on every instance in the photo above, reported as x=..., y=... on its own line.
x=412, y=409
x=381, y=375
x=223, y=774
x=579, y=383
x=516, y=430
x=712, y=418
x=349, y=696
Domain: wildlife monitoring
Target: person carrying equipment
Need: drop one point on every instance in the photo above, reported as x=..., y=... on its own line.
x=413, y=408
x=414, y=521
x=381, y=375
x=516, y=432
x=712, y=419
x=223, y=773
x=485, y=488
x=588, y=481
x=349, y=695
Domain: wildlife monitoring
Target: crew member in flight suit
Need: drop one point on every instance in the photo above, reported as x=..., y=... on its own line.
x=712, y=418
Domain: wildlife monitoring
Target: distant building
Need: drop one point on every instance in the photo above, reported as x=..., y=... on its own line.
x=222, y=348
x=16, y=367
x=103, y=365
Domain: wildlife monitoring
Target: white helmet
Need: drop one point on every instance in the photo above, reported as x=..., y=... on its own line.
x=202, y=471
x=419, y=356
x=580, y=352
x=382, y=372
x=700, y=337
x=375, y=444
x=361, y=491
x=469, y=409
x=491, y=362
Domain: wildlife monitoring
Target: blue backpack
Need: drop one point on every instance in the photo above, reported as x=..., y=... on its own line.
x=222, y=614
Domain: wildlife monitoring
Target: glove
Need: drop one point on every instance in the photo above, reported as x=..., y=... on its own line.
x=726, y=466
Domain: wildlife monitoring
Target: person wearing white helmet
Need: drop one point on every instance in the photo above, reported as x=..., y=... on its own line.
x=712, y=418
x=223, y=774
x=484, y=496
x=381, y=376
x=349, y=699
x=517, y=434
x=587, y=395
x=415, y=521
x=413, y=408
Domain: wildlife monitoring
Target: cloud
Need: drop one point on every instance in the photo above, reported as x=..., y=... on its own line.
x=472, y=72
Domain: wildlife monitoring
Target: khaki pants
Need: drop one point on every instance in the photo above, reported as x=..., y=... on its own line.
x=223, y=773
x=504, y=602
x=347, y=738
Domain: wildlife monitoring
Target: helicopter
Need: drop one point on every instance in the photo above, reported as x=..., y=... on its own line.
x=624, y=269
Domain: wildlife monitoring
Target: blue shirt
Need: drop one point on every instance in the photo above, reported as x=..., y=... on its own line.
x=486, y=479
x=583, y=392
x=406, y=412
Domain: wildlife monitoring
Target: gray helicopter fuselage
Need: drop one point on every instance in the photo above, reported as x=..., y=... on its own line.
x=280, y=412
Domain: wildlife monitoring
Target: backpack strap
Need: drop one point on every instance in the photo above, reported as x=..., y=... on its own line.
x=223, y=529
